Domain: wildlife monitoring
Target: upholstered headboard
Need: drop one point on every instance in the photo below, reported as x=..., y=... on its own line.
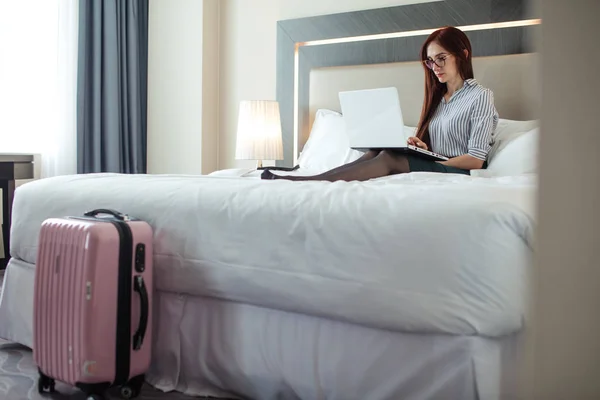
x=319, y=56
x=512, y=78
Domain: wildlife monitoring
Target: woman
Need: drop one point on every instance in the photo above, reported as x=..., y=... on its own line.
x=457, y=120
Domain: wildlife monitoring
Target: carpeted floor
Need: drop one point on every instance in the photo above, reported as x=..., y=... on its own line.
x=18, y=378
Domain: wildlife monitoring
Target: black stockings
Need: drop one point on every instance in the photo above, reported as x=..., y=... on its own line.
x=373, y=164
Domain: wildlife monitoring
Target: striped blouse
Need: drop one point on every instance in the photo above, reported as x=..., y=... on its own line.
x=465, y=124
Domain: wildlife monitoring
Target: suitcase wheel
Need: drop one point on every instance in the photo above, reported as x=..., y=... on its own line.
x=127, y=392
x=45, y=384
x=133, y=388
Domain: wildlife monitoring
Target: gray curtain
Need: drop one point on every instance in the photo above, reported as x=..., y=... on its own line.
x=112, y=86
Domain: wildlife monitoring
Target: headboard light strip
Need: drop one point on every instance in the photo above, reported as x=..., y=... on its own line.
x=421, y=32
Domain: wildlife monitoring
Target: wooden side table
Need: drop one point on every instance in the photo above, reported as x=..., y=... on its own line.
x=12, y=167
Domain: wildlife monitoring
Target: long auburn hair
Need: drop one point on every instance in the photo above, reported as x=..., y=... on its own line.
x=454, y=41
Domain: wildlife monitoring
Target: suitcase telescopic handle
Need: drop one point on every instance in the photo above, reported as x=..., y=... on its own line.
x=114, y=213
x=140, y=288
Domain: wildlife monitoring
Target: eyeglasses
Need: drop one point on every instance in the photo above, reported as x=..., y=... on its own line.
x=440, y=62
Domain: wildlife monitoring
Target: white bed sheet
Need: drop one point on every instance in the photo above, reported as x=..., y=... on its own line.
x=419, y=252
x=209, y=347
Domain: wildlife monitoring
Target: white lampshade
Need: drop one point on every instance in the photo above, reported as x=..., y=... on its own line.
x=259, y=131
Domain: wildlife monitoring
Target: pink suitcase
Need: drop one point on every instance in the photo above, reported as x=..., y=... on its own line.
x=92, y=303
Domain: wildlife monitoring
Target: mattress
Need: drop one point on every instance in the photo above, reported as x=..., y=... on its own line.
x=210, y=347
x=419, y=252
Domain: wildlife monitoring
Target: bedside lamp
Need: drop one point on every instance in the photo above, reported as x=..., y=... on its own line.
x=259, y=132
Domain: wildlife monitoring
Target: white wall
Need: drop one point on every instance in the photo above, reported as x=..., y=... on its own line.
x=182, y=94
x=248, y=54
x=566, y=331
x=210, y=86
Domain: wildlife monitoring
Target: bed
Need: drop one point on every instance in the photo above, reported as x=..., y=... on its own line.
x=277, y=269
x=411, y=286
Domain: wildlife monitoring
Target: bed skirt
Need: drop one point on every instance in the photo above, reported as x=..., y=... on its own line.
x=209, y=347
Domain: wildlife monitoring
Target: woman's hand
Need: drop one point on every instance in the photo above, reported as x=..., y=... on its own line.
x=415, y=141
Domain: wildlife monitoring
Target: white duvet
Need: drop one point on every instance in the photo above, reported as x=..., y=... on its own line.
x=420, y=252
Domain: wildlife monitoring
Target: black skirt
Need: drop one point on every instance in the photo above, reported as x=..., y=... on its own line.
x=418, y=164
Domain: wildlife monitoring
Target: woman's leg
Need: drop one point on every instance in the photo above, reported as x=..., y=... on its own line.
x=267, y=174
x=385, y=163
x=365, y=157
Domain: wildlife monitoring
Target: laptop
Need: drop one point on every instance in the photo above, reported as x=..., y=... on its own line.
x=374, y=121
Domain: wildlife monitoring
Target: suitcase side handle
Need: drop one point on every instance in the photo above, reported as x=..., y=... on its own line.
x=140, y=287
x=114, y=213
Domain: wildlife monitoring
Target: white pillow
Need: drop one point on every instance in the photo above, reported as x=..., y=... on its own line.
x=234, y=172
x=508, y=130
x=518, y=156
x=328, y=146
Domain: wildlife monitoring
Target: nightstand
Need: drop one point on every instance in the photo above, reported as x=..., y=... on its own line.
x=12, y=167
